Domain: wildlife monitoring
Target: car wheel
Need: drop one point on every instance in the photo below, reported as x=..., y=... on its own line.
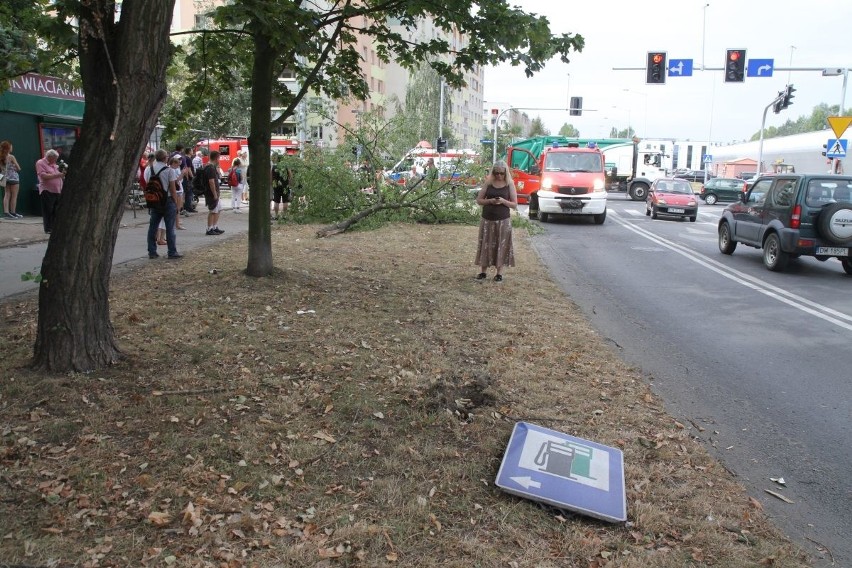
x=710, y=199
x=639, y=191
x=600, y=218
x=542, y=216
x=726, y=244
x=832, y=229
x=654, y=212
x=693, y=218
x=774, y=258
x=847, y=265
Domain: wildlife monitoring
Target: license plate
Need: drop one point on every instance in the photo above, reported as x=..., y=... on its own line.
x=832, y=251
x=571, y=204
x=675, y=210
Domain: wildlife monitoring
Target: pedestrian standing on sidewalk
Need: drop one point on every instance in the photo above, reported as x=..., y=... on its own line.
x=9, y=169
x=243, y=156
x=281, y=177
x=237, y=190
x=211, y=194
x=50, y=181
x=168, y=178
x=497, y=198
x=176, y=163
x=188, y=173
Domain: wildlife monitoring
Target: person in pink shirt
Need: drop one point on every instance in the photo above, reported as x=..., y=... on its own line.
x=50, y=180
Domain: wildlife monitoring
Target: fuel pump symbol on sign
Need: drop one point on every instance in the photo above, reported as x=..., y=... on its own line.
x=564, y=459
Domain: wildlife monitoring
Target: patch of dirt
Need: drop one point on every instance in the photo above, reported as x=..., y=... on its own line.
x=350, y=410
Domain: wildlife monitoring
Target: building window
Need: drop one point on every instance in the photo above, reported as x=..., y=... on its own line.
x=689, y=157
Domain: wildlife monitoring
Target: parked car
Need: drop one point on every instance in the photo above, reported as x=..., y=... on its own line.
x=792, y=215
x=722, y=189
x=672, y=197
x=690, y=175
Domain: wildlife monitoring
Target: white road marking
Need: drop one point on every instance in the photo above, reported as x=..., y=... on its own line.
x=801, y=303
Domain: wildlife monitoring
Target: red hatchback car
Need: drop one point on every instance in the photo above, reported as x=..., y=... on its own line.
x=672, y=197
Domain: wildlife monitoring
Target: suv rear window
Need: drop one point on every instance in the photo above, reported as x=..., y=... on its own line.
x=823, y=191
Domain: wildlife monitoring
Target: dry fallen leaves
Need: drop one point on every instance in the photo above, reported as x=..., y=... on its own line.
x=159, y=518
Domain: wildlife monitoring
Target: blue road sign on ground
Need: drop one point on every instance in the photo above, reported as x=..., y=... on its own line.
x=760, y=67
x=836, y=148
x=680, y=68
x=566, y=472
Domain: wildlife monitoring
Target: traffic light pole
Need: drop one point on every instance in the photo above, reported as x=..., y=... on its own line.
x=774, y=102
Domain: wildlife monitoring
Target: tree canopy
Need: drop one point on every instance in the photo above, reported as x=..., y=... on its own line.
x=816, y=121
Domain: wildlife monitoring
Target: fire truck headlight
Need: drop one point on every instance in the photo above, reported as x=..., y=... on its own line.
x=546, y=183
x=598, y=185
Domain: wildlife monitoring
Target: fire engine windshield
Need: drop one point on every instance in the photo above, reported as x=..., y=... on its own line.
x=572, y=162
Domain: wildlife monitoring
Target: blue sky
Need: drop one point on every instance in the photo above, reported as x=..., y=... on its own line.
x=619, y=33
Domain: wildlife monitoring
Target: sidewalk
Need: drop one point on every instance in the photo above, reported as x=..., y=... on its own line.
x=23, y=242
x=30, y=229
x=14, y=232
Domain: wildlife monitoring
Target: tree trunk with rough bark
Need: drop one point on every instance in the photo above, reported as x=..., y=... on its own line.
x=123, y=66
x=260, y=233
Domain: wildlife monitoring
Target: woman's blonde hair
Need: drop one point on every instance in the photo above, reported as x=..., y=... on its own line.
x=501, y=165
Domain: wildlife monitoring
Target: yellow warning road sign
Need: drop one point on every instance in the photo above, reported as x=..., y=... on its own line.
x=839, y=124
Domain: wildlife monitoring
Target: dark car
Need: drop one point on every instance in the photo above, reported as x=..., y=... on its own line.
x=722, y=189
x=672, y=197
x=792, y=215
x=690, y=175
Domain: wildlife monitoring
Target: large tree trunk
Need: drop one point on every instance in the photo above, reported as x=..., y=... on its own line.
x=260, y=233
x=123, y=66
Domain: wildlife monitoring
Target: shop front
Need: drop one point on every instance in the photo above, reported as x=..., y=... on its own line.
x=39, y=113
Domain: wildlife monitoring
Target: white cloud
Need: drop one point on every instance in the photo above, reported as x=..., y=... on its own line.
x=619, y=33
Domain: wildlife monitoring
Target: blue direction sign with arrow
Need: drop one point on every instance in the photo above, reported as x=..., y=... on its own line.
x=760, y=67
x=567, y=472
x=836, y=148
x=680, y=68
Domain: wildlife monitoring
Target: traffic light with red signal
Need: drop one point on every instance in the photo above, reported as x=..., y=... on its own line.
x=735, y=65
x=655, y=70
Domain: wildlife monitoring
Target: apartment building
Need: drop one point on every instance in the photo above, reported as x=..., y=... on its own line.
x=384, y=80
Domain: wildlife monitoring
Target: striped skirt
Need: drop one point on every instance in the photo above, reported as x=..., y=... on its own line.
x=495, y=244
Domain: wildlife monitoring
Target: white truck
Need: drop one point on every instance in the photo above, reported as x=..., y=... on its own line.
x=631, y=168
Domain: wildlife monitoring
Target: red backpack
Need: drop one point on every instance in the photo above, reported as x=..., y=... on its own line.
x=233, y=180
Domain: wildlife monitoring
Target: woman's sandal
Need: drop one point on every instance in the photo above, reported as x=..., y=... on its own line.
x=498, y=278
x=481, y=276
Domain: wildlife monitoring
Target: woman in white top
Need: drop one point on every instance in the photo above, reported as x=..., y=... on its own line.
x=175, y=163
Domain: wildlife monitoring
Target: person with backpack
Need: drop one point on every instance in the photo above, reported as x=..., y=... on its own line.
x=164, y=180
x=236, y=180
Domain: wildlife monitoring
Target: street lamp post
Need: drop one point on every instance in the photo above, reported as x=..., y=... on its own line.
x=703, y=34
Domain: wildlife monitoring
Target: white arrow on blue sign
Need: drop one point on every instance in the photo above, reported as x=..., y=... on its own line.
x=567, y=472
x=760, y=67
x=680, y=68
x=836, y=148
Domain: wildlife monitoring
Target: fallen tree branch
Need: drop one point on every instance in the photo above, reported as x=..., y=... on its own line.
x=342, y=226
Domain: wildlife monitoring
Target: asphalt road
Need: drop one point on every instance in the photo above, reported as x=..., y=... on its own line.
x=757, y=363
